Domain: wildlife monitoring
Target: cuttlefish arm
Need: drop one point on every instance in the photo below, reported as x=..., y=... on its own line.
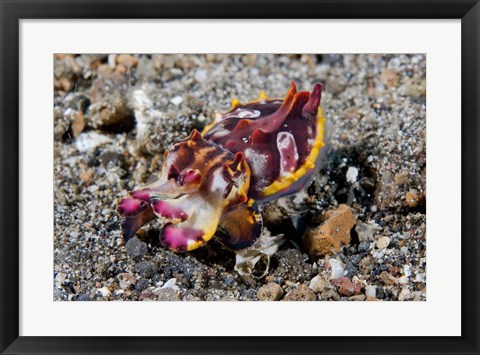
x=146, y=204
x=241, y=226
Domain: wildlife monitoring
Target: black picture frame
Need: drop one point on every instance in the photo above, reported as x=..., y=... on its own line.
x=13, y=11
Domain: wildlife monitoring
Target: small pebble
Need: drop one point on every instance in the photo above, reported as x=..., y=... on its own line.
x=387, y=279
x=127, y=60
x=60, y=279
x=317, y=284
x=142, y=284
x=371, y=291
x=360, y=297
x=383, y=242
x=346, y=287
x=146, y=269
x=229, y=281
x=337, y=268
x=352, y=174
x=412, y=199
x=83, y=297
x=125, y=280
x=168, y=294
x=301, y=293
x=104, y=291
x=136, y=248
x=176, y=100
x=201, y=75
x=405, y=294
x=270, y=292
x=363, y=247
x=380, y=294
x=366, y=231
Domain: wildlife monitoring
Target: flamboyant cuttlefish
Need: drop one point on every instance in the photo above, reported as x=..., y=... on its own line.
x=210, y=181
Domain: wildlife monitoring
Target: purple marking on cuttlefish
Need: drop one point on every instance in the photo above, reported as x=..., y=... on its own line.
x=130, y=207
x=166, y=210
x=189, y=177
x=142, y=195
x=178, y=238
x=288, y=152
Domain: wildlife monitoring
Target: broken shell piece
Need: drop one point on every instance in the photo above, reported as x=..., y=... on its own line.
x=255, y=260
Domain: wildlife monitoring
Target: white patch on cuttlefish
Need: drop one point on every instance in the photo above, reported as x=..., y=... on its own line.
x=258, y=164
x=243, y=113
x=286, y=146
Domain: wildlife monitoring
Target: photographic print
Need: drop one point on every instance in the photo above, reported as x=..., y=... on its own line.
x=239, y=177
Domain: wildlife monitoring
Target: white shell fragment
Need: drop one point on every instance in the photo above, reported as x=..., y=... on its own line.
x=265, y=246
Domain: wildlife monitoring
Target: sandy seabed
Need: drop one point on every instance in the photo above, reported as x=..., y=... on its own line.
x=115, y=115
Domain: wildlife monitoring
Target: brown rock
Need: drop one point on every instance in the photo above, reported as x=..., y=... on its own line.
x=270, y=292
x=413, y=199
x=346, y=287
x=65, y=84
x=78, y=124
x=127, y=60
x=86, y=176
x=301, y=293
x=401, y=178
x=389, y=78
x=335, y=231
x=388, y=279
x=121, y=69
x=104, y=70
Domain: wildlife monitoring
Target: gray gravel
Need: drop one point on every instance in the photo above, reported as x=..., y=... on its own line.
x=115, y=115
